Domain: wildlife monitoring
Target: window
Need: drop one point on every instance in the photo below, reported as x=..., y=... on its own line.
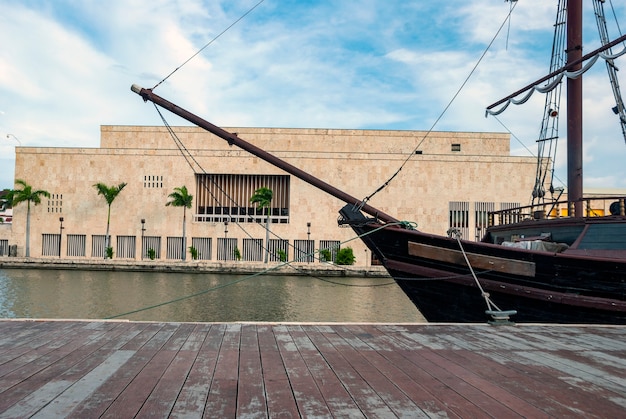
x=152, y=181
x=304, y=250
x=76, y=244
x=481, y=213
x=456, y=147
x=55, y=203
x=332, y=246
x=50, y=245
x=203, y=246
x=126, y=247
x=224, y=197
x=482, y=210
x=459, y=217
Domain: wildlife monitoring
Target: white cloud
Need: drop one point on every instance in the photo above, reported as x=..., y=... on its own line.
x=371, y=64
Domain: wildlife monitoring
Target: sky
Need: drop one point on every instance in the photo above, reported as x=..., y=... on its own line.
x=66, y=67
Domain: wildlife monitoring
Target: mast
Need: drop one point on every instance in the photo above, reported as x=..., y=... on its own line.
x=574, y=109
x=232, y=139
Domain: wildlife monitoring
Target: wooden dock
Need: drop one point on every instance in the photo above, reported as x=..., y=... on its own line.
x=88, y=369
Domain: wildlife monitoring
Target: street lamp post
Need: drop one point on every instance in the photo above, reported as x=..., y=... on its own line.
x=308, y=243
x=15, y=138
x=143, y=231
x=60, y=234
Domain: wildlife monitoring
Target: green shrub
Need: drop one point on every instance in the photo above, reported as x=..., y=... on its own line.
x=109, y=252
x=282, y=256
x=345, y=256
x=151, y=253
x=194, y=252
x=325, y=255
x=237, y=254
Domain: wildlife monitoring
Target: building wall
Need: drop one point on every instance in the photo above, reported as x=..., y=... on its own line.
x=149, y=160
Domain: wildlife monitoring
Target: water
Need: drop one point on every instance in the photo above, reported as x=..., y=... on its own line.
x=70, y=294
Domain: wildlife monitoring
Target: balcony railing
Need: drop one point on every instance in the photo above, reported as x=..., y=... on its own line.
x=594, y=207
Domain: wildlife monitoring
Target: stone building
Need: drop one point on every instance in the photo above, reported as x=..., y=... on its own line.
x=450, y=179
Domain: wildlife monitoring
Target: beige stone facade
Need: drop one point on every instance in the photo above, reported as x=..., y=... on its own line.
x=450, y=170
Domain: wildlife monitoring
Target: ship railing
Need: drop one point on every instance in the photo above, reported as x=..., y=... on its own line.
x=598, y=206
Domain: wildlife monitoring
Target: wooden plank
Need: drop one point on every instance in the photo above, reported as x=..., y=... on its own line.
x=159, y=355
x=334, y=383
x=536, y=386
x=83, y=342
x=100, y=400
x=161, y=400
x=222, y=399
x=48, y=374
x=280, y=401
x=308, y=397
x=69, y=398
x=408, y=358
x=374, y=393
x=418, y=393
x=478, y=261
x=251, y=388
x=192, y=398
x=46, y=339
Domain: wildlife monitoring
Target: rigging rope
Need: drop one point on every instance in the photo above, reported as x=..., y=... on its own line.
x=619, y=30
x=209, y=43
x=410, y=156
x=189, y=159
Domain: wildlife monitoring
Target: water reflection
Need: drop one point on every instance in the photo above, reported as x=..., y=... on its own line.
x=36, y=293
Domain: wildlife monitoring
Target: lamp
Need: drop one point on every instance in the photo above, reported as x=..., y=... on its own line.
x=60, y=234
x=143, y=229
x=14, y=137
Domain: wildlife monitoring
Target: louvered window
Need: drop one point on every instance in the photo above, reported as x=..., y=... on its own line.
x=223, y=197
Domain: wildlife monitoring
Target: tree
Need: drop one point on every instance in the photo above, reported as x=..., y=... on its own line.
x=263, y=198
x=26, y=194
x=109, y=193
x=181, y=198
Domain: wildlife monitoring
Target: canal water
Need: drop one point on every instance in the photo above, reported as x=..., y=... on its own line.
x=193, y=297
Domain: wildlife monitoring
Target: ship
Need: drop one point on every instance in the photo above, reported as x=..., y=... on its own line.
x=533, y=265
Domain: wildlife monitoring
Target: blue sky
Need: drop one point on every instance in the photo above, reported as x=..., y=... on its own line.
x=66, y=67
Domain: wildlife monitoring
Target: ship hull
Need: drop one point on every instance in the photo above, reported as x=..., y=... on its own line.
x=541, y=286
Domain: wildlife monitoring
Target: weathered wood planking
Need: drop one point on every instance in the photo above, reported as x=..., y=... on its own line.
x=126, y=369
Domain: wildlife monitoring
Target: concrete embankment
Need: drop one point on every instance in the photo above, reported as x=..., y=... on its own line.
x=194, y=266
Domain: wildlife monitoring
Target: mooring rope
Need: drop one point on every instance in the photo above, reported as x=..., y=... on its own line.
x=490, y=304
x=269, y=269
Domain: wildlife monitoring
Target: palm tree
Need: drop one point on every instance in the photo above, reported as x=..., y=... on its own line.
x=109, y=193
x=181, y=198
x=26, y=194
x=263, y=197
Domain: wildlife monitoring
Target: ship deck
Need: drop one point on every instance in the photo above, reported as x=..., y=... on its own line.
x=54, y=368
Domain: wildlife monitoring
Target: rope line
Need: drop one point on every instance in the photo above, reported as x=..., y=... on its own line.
x=445, y=109
x=269, y=269
x=209, y=43
x=485, y=295
x=497, y=314
x=554, y=175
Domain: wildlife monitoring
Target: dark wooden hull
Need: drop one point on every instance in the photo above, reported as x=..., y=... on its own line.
x=541, y=286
